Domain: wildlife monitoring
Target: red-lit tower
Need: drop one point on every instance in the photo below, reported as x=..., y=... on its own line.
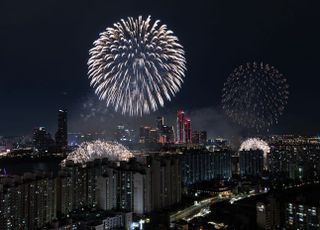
x=184, y=132
x=180, y=127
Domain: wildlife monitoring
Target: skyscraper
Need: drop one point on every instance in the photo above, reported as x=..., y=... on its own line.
x=160, y=122
x=199, y=137
x=187, y=131
x=165, y=180
x=42, y=140
x=62, y=132
x=203, y=137
x=184, y=132
x=180, y=127
x=166, y=135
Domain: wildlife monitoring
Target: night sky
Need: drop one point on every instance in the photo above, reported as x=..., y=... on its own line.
x=44, y=50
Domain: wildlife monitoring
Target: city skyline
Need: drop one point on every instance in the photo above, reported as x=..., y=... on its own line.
x=52, y=69
x=164, y=114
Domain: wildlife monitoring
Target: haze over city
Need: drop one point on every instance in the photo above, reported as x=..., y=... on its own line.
x=44, y=54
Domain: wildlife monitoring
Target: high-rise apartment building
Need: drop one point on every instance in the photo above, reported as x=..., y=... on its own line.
x=251, y=162
x=268, y=213
x=166, y=180
x=202, y=165
x=26, y=202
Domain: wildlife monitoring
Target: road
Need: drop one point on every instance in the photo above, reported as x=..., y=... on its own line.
x=197, y=208
x=193, y=209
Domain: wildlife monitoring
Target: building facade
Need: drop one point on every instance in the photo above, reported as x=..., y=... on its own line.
x=202, y=165
x=27, y=202
x=251, y=162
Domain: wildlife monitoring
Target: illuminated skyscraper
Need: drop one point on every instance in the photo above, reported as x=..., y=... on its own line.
x=184, y=132
x=180, y=127
x=62, y=132
x=187, y=131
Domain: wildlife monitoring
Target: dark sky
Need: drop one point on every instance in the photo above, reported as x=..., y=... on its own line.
x=44, y=49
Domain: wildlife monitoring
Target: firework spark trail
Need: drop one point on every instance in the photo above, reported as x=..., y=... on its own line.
x=135, y=66
x=89, y=151
x=255, y=95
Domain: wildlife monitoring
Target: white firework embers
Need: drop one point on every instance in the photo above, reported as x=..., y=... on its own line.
x=136, y=65
x=255, y=95
x=89, y=151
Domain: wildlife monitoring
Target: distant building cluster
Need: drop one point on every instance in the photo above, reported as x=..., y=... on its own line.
x=161, y=134
x=297, y=158
x=166, y=134
x=106, y=184
x=45, y=144
x=43, y=141
x=124, y=135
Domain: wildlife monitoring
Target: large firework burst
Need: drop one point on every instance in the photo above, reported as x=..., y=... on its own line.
x=255, y=95
x=89, y=151
x=135, y=65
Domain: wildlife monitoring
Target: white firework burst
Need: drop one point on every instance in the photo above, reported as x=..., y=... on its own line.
x=136, y=65
x=256, y=144
x=89, y=151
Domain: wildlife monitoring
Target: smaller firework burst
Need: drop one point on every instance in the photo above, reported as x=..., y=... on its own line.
x=255, y=95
